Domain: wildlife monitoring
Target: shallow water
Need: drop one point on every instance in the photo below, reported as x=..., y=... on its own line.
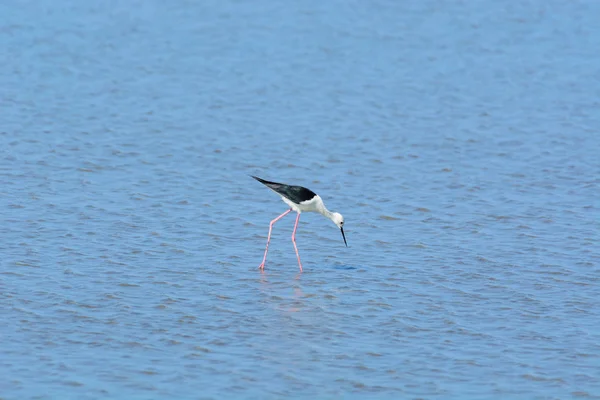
x=459, y=140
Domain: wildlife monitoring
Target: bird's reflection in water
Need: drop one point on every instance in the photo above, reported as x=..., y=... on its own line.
x=271, y=288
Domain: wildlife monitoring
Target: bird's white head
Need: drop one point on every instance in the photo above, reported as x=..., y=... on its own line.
x=338, y=219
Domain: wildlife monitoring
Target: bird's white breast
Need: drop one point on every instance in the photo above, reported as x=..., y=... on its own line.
x=313, y=205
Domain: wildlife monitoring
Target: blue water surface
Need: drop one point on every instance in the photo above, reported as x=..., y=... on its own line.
x=459, y=139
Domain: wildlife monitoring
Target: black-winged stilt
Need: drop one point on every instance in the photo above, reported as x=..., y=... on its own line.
x=300, y=199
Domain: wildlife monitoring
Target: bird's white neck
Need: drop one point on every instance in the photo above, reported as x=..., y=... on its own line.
x=321, y=209
x=325, y=212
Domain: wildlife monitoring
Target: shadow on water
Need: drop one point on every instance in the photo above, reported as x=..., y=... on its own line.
x=344, y=267
x=307, y=270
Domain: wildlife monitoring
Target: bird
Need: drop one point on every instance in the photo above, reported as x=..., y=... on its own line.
x=300, y=199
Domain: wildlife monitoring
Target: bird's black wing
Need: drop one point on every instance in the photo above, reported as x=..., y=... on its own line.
x=297, y=194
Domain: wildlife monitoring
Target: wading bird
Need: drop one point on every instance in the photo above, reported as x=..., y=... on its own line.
x=300, y=199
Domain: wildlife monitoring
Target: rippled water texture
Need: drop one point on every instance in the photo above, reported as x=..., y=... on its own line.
x=460, y=141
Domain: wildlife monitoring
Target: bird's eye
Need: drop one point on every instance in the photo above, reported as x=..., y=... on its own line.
x=342, y=223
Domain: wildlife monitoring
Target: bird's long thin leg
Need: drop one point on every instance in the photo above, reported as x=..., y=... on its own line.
x=262, y=265
x=294, y=241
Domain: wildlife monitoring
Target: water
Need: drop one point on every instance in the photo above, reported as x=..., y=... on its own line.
x=458, y=139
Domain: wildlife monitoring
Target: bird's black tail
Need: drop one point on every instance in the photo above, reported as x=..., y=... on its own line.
x=265, y=182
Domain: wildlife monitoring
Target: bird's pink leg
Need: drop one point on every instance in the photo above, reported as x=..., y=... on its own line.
x=294, y=241
x=262, y=265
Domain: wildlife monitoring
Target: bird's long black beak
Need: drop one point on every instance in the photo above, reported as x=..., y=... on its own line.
x=344, y=236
